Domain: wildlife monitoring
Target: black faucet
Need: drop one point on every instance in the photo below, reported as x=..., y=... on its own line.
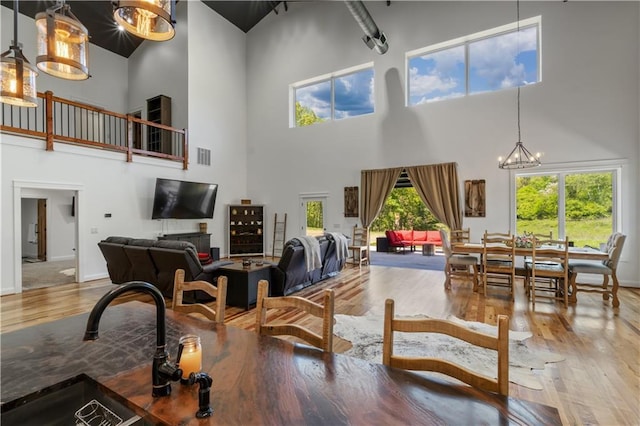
x=162, y=370
x=204, y=382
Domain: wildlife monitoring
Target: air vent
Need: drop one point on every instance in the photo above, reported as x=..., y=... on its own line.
x=204, y=156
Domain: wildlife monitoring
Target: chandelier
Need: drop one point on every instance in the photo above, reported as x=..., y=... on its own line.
x=17, y=75
x=519, y=157
x=149, y=19
x=63, y=43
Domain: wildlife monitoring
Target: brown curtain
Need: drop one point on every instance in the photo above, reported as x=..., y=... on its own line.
x=437, y=185
x=376, y=186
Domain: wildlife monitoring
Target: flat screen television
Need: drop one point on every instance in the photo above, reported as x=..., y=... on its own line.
x=176, y=199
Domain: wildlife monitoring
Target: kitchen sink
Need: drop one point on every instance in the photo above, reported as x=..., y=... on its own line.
x=77, y=401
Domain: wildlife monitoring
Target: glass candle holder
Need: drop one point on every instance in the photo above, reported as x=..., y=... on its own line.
x=191, y=356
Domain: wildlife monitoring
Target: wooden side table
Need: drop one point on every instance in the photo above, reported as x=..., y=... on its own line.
x=242, y=282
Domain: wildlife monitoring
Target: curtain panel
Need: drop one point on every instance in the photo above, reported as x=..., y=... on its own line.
x=376, y=186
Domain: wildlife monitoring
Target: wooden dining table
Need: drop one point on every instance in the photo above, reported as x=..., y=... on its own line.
x=256, y=379
x=584, y=253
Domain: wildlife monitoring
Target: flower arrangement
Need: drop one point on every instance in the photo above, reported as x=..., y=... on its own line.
x=525, y=241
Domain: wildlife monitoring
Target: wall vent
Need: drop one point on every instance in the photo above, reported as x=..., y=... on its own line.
x=204, y=156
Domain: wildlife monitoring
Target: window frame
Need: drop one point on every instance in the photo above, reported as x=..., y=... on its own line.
x=321, y=79
x=465, y=41
x=616, y=167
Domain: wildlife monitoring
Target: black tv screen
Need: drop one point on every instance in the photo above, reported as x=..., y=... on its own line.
x=176, y=199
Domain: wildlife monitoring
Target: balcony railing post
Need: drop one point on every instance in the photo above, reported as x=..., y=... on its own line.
x=129, y=139
x=48, y=108
x=185, y=150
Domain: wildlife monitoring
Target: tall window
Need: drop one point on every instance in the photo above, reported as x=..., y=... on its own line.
x=344, y=94
x=579, y=204
x=483, y=62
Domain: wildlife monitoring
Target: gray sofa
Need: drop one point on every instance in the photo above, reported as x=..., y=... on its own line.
x=155, y=262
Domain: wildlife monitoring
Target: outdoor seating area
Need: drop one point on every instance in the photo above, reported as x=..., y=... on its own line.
x=401, y=240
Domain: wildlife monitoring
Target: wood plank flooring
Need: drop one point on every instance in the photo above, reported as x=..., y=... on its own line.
x=598, y=383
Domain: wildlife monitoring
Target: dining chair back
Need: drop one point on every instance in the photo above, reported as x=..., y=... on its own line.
x=359, y=246
x=460, y=236
x=607, y=268
x=219, y=292
x=547, y=270
x=278, y=328
x=457, y=265
x=499, y=261
x=499, y=343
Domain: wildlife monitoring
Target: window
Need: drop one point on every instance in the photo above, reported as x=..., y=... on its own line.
x=345, y=94
x=580, y=204
x=484, y=62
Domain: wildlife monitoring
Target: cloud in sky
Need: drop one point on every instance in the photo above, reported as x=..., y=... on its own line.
x=436, y=75
x=317, y=97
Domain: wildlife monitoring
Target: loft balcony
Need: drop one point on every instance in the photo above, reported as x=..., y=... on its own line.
x=59, y=120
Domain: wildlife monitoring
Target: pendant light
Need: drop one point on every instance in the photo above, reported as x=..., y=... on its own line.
x=63, y=43
x=18, y=76
x=519, y=157
x=149, y=19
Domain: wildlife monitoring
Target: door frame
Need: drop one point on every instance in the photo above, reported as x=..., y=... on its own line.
x=305, y=197
x=18, y=187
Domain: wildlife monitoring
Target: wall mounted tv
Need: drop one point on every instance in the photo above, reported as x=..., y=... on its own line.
x=176, y=199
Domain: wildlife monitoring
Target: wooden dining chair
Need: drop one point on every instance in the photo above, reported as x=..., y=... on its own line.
x=460, y=236
x=430, y=325
x=219, y=292
x=547, y=270
x=458, y=265
x=499, y=261
x=359, y=246
x=325, y=311
x=606, y=268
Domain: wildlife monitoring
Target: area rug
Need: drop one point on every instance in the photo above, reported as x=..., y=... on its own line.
x=411, y=260
x=365, y=334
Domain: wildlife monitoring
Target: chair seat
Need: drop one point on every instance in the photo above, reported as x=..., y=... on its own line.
x=589, y=268
x=463, y=259
x=499, y=263
x=545, y=266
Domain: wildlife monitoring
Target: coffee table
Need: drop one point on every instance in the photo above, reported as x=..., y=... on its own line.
x=242, y=282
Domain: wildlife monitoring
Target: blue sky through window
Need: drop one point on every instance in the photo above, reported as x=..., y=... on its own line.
x=316, y=97
x=497, y=62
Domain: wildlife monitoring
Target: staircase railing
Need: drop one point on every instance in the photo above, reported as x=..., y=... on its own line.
x=61, y=120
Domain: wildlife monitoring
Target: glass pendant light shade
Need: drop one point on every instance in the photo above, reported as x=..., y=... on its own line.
x=63, y=44
x=18, y=81
x=149, y=19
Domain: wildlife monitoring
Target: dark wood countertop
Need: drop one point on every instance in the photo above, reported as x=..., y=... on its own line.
x=256, y=379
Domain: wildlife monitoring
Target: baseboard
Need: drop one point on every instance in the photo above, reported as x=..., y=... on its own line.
x=60, y=258
x=94, y=277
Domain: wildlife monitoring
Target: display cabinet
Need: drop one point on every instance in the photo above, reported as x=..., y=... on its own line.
x=246, y=230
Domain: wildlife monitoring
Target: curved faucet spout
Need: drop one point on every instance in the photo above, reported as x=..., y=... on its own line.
x=91, y=332
x=162, y=370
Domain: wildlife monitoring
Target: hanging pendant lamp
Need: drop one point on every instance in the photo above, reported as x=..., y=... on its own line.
x=63, y=43
x=519, y=157
x=17, y=75
x=149, y=19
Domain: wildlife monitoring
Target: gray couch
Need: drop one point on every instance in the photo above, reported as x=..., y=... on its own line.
x=155, y=262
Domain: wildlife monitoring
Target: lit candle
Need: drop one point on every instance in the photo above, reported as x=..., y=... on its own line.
x=191, y=357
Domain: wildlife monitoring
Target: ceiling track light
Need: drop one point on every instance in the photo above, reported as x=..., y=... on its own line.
x=17, y=75
x=148, y=19
x=519, y=157
x=63, y=43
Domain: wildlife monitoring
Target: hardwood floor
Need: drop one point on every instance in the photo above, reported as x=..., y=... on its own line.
x=597, y=383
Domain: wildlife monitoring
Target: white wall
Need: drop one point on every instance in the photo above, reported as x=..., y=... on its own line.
x=214, y=100
x=585, y=108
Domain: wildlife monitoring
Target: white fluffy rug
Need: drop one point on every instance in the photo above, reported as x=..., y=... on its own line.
x=365, y=333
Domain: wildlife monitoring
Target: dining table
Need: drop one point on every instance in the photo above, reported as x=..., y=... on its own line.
x=584, y=253
x=256, y=379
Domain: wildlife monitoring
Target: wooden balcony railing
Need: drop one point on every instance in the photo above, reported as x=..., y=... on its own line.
x=61, y=120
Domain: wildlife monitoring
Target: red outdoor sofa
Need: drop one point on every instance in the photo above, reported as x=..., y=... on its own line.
x=403, y=239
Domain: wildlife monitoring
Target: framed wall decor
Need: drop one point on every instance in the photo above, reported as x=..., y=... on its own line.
x=474, y=198
x=350, y=201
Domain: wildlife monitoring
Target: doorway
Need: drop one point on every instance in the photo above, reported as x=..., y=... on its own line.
x=313, y=214
x=40, y=208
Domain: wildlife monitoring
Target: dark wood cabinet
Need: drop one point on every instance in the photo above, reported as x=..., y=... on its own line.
x=246, y=230
x=159, y=111
x=200, y=240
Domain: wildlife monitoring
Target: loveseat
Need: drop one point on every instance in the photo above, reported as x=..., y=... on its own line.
x=155, y=262
x=290, y=273
x=410, y=238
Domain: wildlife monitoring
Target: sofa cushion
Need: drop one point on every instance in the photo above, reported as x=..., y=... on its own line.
x=405, y=235
x=420, y=235
x=118, y=240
